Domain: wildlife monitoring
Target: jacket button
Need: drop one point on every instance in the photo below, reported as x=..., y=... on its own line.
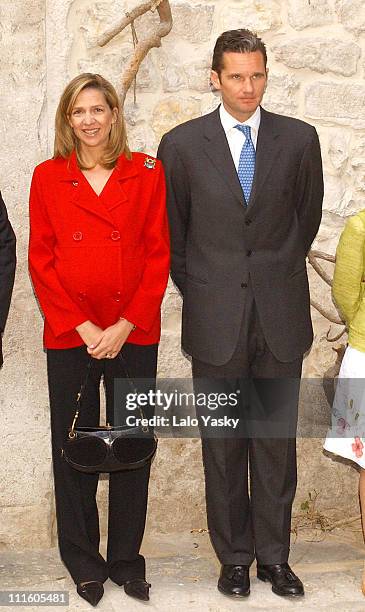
x=75, y=183
x=248, y=221
x=117, y=296
x=243, y=285
x=249, y=253
x=77, y=236
x=115, y=235
x=81, y=296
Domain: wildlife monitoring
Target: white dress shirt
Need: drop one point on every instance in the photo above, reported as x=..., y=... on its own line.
x=236, y=138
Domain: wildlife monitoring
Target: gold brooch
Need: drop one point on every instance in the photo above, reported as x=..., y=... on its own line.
x=150, y=163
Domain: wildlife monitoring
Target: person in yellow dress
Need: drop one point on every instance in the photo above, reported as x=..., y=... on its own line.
x=347, y=434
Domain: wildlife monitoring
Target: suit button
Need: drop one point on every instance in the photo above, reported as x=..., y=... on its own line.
x=77, y=236
x=115, y=235
x=249, y=253
x=243, y=285
x=81, y=296
x=117, y=296
x=75, y=183
x=248, y=221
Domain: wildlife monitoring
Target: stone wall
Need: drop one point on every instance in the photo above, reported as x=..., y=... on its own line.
x=316, y=59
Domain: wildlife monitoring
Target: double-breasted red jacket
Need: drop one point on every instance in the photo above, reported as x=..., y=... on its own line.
x=99, y=258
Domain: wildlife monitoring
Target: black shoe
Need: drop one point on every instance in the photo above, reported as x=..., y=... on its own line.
x=137, y=588
x=283, y=580
x=91, y=591
x=234, y=580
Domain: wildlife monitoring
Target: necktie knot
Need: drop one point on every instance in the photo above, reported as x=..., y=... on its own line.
x=246, y=129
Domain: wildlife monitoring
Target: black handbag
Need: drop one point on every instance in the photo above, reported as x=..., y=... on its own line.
x=107, y=448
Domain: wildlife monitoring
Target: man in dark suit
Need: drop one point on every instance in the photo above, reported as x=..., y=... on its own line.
x=7, y=268
x=245, y=190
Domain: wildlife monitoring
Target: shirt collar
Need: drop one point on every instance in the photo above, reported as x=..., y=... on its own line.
x=229, y=122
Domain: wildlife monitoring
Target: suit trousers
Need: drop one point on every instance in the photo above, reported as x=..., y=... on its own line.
x=251, y=473
x=77, y=513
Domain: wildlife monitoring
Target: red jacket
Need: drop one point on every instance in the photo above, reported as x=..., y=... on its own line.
x=99, y=257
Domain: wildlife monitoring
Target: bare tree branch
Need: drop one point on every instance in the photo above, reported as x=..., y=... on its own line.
x=312, y=258
x=322, y=255
x=143, y=47
x=337, y=337
x=326, y=313
x=330, y=316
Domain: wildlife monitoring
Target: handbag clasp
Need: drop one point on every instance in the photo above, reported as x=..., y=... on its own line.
x=72, y=434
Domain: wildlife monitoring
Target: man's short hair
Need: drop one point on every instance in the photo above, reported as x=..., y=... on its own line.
x=236, y=41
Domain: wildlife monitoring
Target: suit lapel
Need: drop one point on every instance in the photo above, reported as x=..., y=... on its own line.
x=267, y=152
x=114, y=195
x=217, y=149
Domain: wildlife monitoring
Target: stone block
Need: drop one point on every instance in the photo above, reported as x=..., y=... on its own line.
x=256, y=15
x=321, y=55
x=358, y=173
x=174, y=78
x=172, y=111
x=355, y=170
x=192, y=22
x=338, y=149
x=281, y=94
x=198, y=75
x=209, y=102
x=172, y=69
x=309, y=13
x=351, y=14
x=342, y=103
x=336, y=197
x=142, y=138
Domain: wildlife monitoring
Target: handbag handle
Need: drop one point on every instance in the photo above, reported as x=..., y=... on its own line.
x=72, y=434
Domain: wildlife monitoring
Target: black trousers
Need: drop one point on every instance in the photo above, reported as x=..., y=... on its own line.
x=77, y=513
x=251, y=473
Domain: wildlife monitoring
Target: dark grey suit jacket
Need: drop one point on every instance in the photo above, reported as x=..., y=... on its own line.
x=7, y=267
x=219, y=245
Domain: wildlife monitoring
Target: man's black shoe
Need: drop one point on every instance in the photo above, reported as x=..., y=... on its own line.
x=284, y=581
x=234, y=580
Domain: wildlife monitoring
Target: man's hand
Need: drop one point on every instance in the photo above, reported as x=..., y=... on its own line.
x=90, y=333
x=112, y=340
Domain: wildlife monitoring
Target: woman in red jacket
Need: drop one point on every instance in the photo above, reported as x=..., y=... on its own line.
x=99, y=262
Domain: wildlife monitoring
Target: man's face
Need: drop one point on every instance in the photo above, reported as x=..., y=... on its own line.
x=242, y=83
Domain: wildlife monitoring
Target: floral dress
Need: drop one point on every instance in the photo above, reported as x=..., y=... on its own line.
x=347, y=434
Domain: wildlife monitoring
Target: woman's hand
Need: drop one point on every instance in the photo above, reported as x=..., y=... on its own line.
x=90, y=333
x=112, y=340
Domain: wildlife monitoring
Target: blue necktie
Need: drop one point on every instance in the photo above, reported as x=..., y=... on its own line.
x=246, y=165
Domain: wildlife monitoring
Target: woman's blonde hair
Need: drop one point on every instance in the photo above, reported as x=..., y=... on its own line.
x=65, y=140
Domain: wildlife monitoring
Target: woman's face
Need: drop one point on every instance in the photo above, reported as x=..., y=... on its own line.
x=91, y=118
